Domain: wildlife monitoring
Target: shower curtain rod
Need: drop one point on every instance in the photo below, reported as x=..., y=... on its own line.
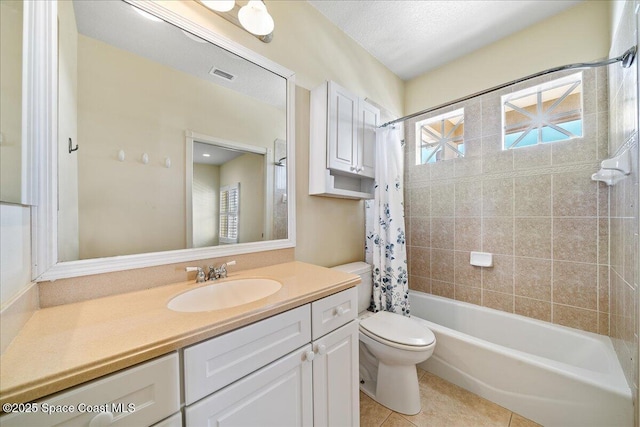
x=626, y=58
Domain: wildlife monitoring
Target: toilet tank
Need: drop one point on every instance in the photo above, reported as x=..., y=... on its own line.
x=365, y=288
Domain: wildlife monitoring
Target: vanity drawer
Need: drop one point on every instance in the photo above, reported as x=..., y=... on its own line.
x=152, y=389
x=333, y=311
x=218, y=362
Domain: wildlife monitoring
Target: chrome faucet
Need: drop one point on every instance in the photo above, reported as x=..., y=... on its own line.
x=220, y=272
x=200, y=277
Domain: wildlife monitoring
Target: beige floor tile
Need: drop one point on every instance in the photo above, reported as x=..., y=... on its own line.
x=396, y=420
x=372, y=414
x=445, y=404
x=520, y=421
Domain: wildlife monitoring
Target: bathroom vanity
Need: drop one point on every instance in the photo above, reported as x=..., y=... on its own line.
x=288, y=359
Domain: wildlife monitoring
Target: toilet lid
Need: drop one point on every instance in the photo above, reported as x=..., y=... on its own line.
x=397, y=328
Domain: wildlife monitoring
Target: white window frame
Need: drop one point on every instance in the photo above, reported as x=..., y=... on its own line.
x=444, y=140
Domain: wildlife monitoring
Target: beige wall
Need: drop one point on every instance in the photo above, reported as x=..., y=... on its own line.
x=248, y=170
x=206, y=195
x=579, y=34
x=68, y=247
x=11, y=101
x=129, y=103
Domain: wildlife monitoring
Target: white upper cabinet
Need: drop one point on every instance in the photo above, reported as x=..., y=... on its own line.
x=343, y=131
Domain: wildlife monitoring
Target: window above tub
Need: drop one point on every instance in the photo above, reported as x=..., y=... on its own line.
x=440, y=138
x=544, y=113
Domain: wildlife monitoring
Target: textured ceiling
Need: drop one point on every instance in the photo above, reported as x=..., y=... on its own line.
x=412, y=37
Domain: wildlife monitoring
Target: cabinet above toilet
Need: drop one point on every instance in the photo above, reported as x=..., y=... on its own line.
x=342, y=143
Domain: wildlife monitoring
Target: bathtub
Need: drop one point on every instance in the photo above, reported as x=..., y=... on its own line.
x=551, y=374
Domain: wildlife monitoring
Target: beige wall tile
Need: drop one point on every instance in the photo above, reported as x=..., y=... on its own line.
x=420, y=261
x=575, y=284
x=574, y=317
x=468, y=199
x=468, y=234
x=497, y=300
x=603, y=288
x=499, y=277
x=497, y=197
x=442, y=200
x=443, y=289
x=532, y=195
x=532, y=278
x=574, y=194
x=420, y=201
x=442, y=232
x=419, y=231
x=421, y=284
x=532, y=157
x=533, y=237
x=574, y=239
x=465, y=273
x=468, y=294
x=497, y=235
x=533, y=308
x=441, y=262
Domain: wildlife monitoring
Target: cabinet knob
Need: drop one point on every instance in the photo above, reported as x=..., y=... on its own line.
x=321, y=349
x=339, y=311
x=103, y=419
x=359, y=169
x=310, y=355
x=353, y=169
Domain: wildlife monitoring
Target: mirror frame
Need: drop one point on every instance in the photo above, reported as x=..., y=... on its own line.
x=44, y=124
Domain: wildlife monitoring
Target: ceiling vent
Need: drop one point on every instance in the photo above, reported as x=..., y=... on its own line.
x=222, y=74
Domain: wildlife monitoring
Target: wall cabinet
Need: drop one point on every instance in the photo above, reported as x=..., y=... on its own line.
x=342, y=143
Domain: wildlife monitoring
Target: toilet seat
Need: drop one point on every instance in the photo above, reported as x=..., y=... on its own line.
x=397, y=331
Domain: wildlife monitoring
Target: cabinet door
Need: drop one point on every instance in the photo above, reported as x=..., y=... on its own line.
x=336, y=400
x=278, y=395
x=342, y=129
x=369, y=118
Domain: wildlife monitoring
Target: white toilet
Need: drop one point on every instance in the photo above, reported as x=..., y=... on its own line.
x=390, y=347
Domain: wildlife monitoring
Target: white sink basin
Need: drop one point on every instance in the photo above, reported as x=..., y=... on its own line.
x=218, y=296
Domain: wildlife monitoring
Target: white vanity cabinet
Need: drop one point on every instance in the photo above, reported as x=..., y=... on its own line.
x=342, y=143
x=142, y=395
x=299, y=368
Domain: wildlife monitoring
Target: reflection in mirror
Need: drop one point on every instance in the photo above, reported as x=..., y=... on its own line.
x=11, y=18
x=231, y=192
x=131, y=86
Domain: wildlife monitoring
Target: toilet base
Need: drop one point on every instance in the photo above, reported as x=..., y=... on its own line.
x=397, y=388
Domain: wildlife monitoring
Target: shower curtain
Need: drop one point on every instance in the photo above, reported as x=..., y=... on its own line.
x=385, y=235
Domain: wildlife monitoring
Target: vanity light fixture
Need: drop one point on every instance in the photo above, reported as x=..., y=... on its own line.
x=253, y=17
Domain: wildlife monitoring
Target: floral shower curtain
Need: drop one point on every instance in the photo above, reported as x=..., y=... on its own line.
x=385, y=243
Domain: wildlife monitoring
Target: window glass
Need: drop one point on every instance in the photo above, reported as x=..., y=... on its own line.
x=544, y=113
x=440, y=138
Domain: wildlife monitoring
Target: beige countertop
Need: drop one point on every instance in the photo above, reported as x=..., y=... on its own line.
x=66, y=345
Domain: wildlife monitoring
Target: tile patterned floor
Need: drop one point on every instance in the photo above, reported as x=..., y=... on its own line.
x=443, y=404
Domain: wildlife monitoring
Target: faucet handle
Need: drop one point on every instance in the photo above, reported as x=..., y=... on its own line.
x=200, y=277
x=221, y=272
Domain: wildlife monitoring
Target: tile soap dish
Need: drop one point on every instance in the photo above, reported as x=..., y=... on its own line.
x=614, y=169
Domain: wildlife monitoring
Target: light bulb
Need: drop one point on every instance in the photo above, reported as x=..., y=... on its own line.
x=255, y=18
x=219, y=5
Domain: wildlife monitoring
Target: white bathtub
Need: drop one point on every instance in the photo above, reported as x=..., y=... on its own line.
x=551, y=374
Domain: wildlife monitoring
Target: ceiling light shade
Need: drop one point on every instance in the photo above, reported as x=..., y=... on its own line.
x=219, y=5
x=255, y=18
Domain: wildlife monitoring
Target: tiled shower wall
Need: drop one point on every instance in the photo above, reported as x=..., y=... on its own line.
x=535, y=208
x=623, y=95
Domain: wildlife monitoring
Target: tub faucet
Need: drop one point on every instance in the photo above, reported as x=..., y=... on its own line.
x=220, y=272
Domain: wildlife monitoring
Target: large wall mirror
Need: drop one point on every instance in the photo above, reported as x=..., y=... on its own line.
x=156, y=123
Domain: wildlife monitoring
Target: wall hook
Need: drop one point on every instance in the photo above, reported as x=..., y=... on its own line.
x=71, y=149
